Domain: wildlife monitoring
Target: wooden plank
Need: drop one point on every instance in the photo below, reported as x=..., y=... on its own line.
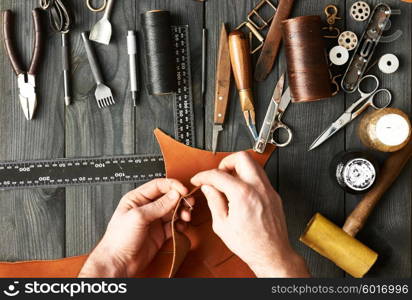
x=388, y=229
x=304, y=181
x=31, y=221
x=91, y=131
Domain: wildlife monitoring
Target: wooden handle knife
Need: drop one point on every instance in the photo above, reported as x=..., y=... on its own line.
x=223, y=74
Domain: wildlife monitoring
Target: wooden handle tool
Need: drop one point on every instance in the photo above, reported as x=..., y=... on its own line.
x=242, y=70
x=389, y=172
x=339, y=244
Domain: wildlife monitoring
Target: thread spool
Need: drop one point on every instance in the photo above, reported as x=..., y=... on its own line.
x=386, y=130
x=307, y=66
x=159, y=51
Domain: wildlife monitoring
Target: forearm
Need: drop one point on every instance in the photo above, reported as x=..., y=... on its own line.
x=292, y=267
x=99, y=264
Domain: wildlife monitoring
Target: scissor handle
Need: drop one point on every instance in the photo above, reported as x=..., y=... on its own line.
x=386, y=102
x=363, y=93
x=281, y=126
x=96, y=9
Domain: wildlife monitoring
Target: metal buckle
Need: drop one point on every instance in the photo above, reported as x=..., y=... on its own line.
x=253, y=25
x=331, y=12
x=255, y=12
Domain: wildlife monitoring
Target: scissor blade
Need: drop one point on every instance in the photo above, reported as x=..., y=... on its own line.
x=285, y=100
x=277, y=94
x=331, y=130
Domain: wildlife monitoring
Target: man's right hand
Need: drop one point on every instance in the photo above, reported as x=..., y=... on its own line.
x=248, y=216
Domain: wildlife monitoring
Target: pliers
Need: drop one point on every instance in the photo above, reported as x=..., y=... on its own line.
x=26, y=80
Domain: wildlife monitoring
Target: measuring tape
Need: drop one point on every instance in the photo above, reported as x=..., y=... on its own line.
x=122, y=169
x=64, y=172
x=183, y=104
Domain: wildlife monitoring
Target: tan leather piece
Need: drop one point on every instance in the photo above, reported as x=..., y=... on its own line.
x=196, y=253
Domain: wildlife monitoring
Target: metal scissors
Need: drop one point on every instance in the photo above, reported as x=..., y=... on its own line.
x=366, y=99
x=96, y=9
x=273, y=119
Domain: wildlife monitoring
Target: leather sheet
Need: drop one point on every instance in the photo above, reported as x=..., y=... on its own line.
x=197, y=252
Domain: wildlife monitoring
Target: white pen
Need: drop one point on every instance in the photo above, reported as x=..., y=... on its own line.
x=132, y=52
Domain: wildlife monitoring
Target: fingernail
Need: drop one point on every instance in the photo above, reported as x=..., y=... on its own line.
x=173, y=195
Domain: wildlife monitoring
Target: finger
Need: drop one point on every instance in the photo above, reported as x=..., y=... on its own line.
x=245, y=167
x=150, y=191
x=216, y=201
x=160, y=207
x=179, y=226
x=186, y=215
x=220, y=180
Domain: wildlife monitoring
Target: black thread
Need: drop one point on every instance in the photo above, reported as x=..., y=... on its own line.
x=160, y=53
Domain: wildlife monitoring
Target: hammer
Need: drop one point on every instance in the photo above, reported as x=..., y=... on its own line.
x=339, y=244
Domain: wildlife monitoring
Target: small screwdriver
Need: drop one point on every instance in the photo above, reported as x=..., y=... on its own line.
x=132, y=52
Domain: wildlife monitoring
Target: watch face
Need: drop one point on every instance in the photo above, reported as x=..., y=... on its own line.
x=359, y=174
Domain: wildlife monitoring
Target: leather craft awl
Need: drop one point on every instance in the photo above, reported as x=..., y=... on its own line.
x=242, y=70
x=197, y=252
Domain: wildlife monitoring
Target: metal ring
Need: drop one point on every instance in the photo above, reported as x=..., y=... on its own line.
x=363, y=80
x=288, y=130
x=94, y=9
x=387, y=101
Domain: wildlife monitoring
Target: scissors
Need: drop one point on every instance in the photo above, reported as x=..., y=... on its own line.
x=366, y=99
x=273, y=119
x=96, y=9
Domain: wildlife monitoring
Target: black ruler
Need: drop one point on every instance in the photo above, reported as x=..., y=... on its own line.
x=183, y=104
x=108, y=170
x=65, y=172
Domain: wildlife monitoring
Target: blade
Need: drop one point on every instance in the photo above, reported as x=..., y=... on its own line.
x=216, y=130
x=223, y=74
x=331, y=130
x=285, y=100
x=277, y=94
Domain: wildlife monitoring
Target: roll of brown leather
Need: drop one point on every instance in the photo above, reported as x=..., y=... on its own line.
x=308, y=72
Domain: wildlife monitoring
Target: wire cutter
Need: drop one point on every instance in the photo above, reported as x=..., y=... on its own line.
x=26, y=80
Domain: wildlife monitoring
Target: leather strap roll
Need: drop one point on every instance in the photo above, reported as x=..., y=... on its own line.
x=308, y=73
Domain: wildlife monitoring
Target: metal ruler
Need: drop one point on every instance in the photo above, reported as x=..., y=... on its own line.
x=120, y=169
x=65, y=172
x=183, y=102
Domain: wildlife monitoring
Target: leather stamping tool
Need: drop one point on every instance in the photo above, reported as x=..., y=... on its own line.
x=339, y=244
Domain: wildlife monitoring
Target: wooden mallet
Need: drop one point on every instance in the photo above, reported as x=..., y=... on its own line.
x=339, y=244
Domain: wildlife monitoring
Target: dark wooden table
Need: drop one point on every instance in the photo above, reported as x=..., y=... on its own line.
x=54, y=223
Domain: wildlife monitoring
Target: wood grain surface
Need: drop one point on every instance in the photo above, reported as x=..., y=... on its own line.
x=53, y=223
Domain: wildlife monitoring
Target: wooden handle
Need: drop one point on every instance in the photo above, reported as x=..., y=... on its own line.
x=389, y=172
x=240, y=58
x=223, y=74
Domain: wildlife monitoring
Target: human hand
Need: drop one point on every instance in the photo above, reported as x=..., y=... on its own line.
x=248, y=216
x=137, y=230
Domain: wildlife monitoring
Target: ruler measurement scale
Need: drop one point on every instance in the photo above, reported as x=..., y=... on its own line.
x=120, y=169
x=183, y=102
x=65, y=172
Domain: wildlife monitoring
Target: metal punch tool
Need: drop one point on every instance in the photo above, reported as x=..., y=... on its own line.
x=26, y=79
x=367, y=99
x=273, y=119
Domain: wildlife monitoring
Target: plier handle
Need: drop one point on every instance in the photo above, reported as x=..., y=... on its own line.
x=26, y=78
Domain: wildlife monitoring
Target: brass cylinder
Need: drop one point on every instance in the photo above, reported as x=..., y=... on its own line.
x=386, y=130
x=335, y=244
